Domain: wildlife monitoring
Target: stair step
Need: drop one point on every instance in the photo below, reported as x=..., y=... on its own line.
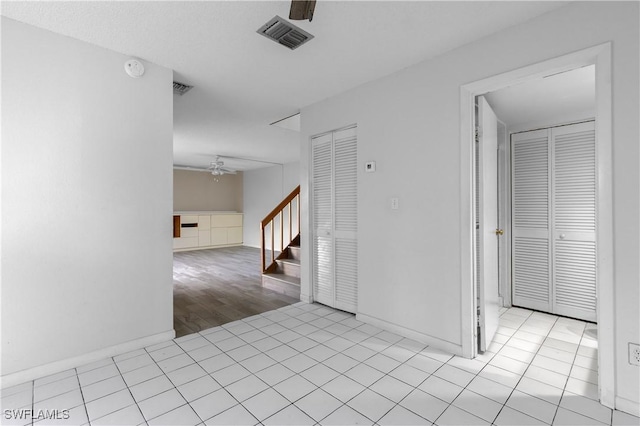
x=294, y=252
x=290, y=261
x=289, y=267
x=285, y=284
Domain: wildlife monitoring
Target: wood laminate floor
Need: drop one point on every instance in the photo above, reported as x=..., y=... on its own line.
x=216, y=286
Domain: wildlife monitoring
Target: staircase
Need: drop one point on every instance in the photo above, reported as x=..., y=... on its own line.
x=283, y=273
x=285, y=276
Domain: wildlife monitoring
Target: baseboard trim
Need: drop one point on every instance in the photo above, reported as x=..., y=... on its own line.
x=306, y=298
x=628, y=406
x=29, y=374
x=411, y=334
x=178, y=250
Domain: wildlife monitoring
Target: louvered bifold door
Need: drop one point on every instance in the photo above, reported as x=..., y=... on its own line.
x=345, y=220
x=322, y=196
x=530, y=186
x=574, y=220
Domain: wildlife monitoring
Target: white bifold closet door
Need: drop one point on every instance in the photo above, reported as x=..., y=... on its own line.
x=334, y=195
x=554, y=220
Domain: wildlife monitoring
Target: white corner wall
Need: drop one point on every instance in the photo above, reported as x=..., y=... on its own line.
x=86, y=201
x=262, y=190
x=409, y=123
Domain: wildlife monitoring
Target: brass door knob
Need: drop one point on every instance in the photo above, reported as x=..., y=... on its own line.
x=499, y=232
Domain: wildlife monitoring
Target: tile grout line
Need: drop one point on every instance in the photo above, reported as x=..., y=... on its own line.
x=84, y=403
x=317, y=387
x=33, y=400
x=130, y=393
x=524, y=372
x=569, y=377
x=339, y=373
x=236, y=363
x=175, y=387
x=467, y=385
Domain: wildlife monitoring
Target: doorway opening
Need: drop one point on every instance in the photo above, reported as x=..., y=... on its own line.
x=478, y=311
x=546, y=193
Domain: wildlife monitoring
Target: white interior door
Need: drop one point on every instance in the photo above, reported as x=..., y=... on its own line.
x=574, y=220
x=346, y=219
x=335, y=199
x=488, y=282
x=322, y=196
x=554, y=220
x=530, y=192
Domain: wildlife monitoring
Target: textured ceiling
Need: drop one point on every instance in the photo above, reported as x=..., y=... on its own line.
x=244, y=81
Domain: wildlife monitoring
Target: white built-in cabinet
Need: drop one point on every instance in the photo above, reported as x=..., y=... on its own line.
x=554, y=220
x=207, y=230
x=334, y=197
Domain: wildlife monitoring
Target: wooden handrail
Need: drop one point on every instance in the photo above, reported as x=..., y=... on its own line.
x=268, y=220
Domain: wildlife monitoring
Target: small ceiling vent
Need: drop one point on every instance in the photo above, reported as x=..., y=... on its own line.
x=181, y=88
x=284, y=32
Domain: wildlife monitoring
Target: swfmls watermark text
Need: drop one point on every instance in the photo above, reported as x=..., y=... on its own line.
x=29, y=414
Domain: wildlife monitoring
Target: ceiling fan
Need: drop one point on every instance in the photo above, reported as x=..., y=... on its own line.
x=302, y=9
x=217, y=168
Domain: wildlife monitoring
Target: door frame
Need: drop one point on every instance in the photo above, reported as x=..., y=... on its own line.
x=600, y=56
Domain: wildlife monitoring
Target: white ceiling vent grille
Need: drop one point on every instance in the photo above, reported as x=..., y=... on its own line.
x=181, y=88
x=284, y=32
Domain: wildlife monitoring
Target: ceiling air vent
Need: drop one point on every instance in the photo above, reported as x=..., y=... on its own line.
x=181, y=88
x=285, y=33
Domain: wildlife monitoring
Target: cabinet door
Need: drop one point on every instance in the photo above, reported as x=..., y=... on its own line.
x=189, y=233
x=204, y=238
x=234, y=235
x=185, y=242
x=218, y=236
x=226, y=220
x=204, y=222
x=188, y=219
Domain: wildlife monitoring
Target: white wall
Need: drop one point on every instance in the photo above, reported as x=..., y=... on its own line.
x=199, y=191
x=409, y=123
x=263, y=189
x=86, y=199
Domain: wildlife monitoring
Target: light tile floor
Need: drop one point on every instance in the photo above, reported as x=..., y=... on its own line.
x=310, y=365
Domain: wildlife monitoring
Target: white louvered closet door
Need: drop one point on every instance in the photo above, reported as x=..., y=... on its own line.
x=574, y=219
x=530, y=192
x=554, y=220
x=334, y=190
x=346, y=219
x=322, y=193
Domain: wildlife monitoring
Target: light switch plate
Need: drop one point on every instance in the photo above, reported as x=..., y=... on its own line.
x=370, y=166
x=394, y=203
x=634, y=354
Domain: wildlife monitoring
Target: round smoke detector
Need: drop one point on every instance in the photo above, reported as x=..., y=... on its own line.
x=134, y=68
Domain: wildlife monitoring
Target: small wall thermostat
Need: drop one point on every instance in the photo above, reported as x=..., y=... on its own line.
x=370, y=166
x=134, y=68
